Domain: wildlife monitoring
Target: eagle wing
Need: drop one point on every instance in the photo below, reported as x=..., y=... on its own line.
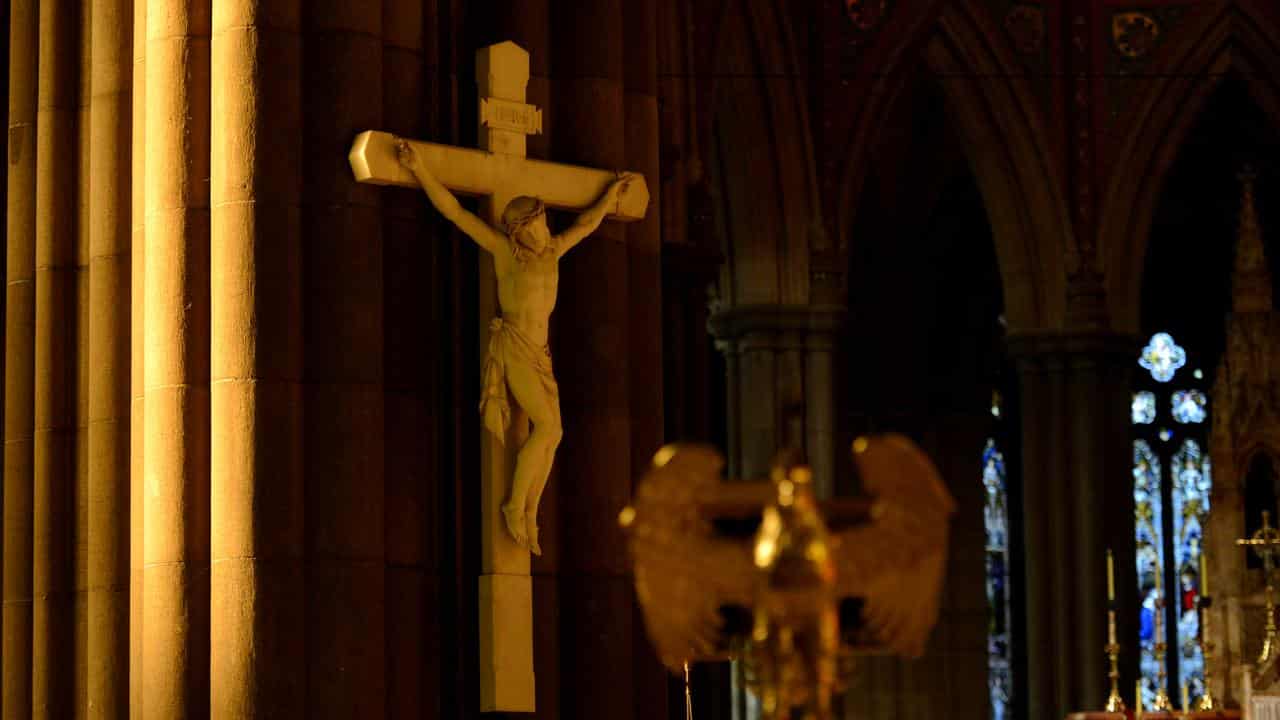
x=683, y=573
x=896, y=562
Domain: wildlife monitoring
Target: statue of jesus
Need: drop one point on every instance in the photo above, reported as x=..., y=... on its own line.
x=526, y=258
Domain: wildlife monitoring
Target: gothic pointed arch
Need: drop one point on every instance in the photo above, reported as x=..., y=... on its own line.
x=1002, y=132
x=762, y=157
x=1241, y=38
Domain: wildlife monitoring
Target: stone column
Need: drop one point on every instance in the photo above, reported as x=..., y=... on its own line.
x=175, y=608
x=19, y=360
x=257, y=665
x=137, y=338
x=592, y=347
x=412, y=442
x=56, y=364
x=1077, y=492
x=80, y=447
x=820, y=388
x=110, y=178
x=1035, y=691
x=343, y=366
x=784, y=390
x=644, y=288
x=761, y=420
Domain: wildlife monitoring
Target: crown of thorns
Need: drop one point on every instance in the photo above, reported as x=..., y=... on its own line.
x=515, y=225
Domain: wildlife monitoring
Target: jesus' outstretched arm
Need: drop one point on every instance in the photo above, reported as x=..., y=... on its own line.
x=589, y=220
x=448, y=205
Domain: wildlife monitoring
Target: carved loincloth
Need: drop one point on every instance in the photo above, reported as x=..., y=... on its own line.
x=507, y=345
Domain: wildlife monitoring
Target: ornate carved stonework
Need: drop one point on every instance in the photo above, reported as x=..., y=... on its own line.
x=1246, y=421
x=1133, y=46
x=1134, y=33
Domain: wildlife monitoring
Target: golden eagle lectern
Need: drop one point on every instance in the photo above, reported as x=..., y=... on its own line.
x=794, y=588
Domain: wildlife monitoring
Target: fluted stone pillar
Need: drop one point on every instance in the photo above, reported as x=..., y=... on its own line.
x=412, y=443
x=56, y=363
x=175, y=609
x=80, y=446
x=781, y=384
x=820, y=388
x=344, y=357
x=257, y=665
x=1077, y=492
x=644, y=290
x=137, y=342
x=110, y=181
x=19, y=365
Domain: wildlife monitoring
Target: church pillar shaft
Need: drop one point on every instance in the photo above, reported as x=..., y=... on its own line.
x=1077, y=503
x=781, y=386
x=644, y=287
x=137, y=385
x=1061, y=601
x=110, y=165
x=733, y=405
x=413, y=428
x=762, y=423
x=343, y=365
x=80, y=446
x=176, y=299
x=19, y=368
x=595, y=341
x=1088, y=524
x=56, y=364
x=820, y=393
x=257, y=658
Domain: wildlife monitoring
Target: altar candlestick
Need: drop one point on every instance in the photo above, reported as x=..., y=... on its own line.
x=1204, y=576
x=1111, y=578
x=1186, y=699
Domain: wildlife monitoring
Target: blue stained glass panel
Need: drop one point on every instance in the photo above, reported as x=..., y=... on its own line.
x=1162, y=356
x=1192, y=480
x=996, y=521
x=1189, y=406
x=1143, y=410
x=1149, y=542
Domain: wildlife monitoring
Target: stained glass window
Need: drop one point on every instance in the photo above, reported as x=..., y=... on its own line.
x=1149, y=541
x=1188, y=406
x=1143, y=410
x=996, y=521
x=1171, y=483
x=1162, y=356
x=1191, y=479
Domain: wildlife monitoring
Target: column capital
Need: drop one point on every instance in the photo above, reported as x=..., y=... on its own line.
x=731, y=323
x=1101, y=345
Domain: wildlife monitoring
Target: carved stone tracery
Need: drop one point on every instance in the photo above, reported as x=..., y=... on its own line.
x=1246, y=421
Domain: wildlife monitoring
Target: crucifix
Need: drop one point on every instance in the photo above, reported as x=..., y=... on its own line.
x=1266, y=543
x=518, y=276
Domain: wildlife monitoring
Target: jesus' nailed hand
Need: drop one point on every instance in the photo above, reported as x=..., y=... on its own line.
x=526, y=259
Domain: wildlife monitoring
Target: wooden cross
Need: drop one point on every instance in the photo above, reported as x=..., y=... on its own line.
x=498, y=172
